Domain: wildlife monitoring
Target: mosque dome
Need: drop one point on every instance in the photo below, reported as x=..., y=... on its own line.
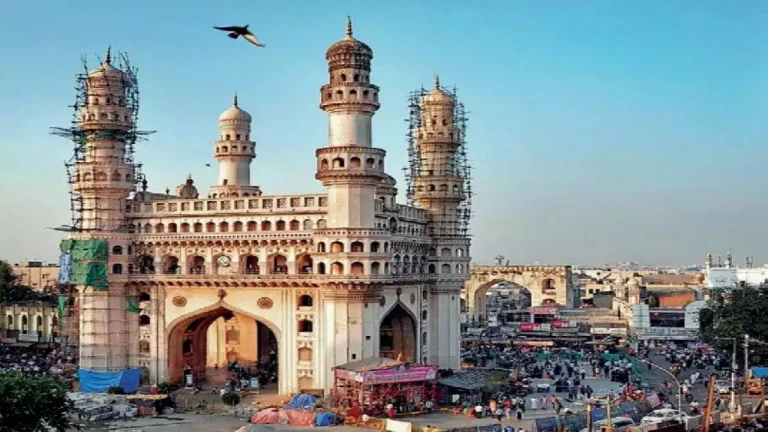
x=349, y=46
x=235, y=113
x=188, y=189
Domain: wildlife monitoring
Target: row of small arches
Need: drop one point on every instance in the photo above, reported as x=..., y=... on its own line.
x=351, y=96
x=440, y=188
x=354, y=162
x=105, y=116
x=228, y=137
x=238, y=226
x=95, y=101
x=354, y=247
x=355, y=78
x=225, y=149
x=25, y=321
x=101, y=176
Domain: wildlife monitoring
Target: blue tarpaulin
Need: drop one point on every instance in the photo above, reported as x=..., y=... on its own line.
x=759, y=371
x=100, y=382
x=65, y=264
x=301, y=402
x=325, y=419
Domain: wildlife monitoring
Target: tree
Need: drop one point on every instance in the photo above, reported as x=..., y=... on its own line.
x=11, y=291
x=733, y=314
x=35, y=404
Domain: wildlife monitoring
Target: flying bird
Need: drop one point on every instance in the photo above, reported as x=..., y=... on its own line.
x=237, y=31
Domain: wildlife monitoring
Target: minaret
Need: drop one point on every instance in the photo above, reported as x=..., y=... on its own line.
x=234, y=151
x=439, y=189
x=350, y=169
x=104, y=177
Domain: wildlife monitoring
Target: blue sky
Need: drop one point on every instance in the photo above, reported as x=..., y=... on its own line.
x=600, y=130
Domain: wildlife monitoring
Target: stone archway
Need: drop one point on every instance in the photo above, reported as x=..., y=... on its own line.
x=397, y=334
x=237, y=335
x=545, y=283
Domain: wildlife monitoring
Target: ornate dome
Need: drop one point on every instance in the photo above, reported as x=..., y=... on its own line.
x=348, y=45
x=438, y=94
x=106, y=69
x=235, y=113
x=188, y=189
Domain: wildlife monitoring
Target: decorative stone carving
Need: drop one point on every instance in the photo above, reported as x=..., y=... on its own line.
x=221, y=294
x=382, y=301
x=180, y=301
x=413, y=298
x=265, y=303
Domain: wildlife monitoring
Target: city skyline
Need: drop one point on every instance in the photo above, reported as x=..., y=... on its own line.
x=599, y=132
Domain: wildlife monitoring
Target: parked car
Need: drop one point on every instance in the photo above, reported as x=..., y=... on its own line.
x=722, y=387
x=664, y=414
x=620, y=424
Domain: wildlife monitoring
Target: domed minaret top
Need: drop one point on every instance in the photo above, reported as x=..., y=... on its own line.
x=437, y=94
x=349, y=51
x=234, y=114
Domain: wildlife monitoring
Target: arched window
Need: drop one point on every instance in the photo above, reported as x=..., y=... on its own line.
x=143, y=320
x=375, y=268
x=307, y=224
x=338, y=163
x=431, y=269
x=9, y=321
x=321, y=268
x=321, y=247
x=237, y=226
x=357, y=247
x=172, y=228
x=117, y=269
x=252, y=265
x=374, y=247
x=430, y=188
x=159, y=228
x=321, y=223
x=386, y=247
x=324, y=164
x=343, y=77
x=337, y=247
x=144, y=297
x=279, y=264
x=185, y=227
x=353, y=94
x=356, y=77
x=280, y=225
x=459, y=252
x=305, y=326
x=197, y=265
x=548, y=286
x=251, y=226
x=304, y=264
x=210, y=227
x=424, y=315
x=197, y=227
x=354, y=162
x=223, y=226
x=266, y=226
x=370, y=163
x=337, y=268
x=357, y=269
x=445, y=252
x=294, y=225
x=445, y=268
x=459, y=268
x=432, y=252
x=305, y=300
x=39, y=322
x=117, y=250
x=171, y=265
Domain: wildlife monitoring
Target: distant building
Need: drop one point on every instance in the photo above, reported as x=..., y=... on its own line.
x=726, y=275
x=37, y=274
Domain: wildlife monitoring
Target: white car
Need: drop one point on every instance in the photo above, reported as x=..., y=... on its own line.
x=722, y=387
x=664, y=414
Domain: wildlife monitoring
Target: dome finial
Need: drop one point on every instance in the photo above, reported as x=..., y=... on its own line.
x=108, y=58
x=234, y=102
x=437, y=81
x=349, y=26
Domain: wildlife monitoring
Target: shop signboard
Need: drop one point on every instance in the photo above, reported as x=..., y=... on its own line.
x=544, y=310
x=561, y=324
x=666, y=333
x=526, y=327
x=29, y=337
x=616, y=331
x=400, y=374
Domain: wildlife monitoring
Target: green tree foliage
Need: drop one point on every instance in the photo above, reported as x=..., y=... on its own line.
x=11, y=291
x=734, y=313
x=34, y=404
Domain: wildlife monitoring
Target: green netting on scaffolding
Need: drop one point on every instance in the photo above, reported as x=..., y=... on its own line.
x=88, y=262
x=132, y=304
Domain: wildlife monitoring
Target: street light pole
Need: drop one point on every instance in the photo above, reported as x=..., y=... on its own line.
x=746, y=360
x=679, y=388
x=734, y=366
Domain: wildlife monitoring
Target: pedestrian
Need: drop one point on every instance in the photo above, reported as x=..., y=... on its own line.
x=499, y=413
x=519, y=414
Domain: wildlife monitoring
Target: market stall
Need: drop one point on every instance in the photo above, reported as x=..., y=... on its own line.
x=378, y=383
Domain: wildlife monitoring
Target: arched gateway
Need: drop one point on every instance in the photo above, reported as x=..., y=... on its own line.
x=207, y=339
x=547, y=284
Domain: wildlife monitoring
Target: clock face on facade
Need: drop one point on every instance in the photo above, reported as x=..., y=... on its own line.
x=224, y=261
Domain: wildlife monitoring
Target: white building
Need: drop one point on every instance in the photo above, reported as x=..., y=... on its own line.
x=726, y=275
x=317, y=280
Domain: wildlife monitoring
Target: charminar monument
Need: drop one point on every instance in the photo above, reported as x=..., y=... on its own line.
x=192, y=280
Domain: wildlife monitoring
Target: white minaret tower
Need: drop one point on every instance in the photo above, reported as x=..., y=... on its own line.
x=234, y=151
x=439, y=189
x=350, y=169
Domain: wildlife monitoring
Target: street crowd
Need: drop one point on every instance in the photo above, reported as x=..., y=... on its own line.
x=49, y=361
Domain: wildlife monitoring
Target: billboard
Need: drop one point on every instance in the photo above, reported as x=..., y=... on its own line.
x=666, y=333
x=722, y=278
